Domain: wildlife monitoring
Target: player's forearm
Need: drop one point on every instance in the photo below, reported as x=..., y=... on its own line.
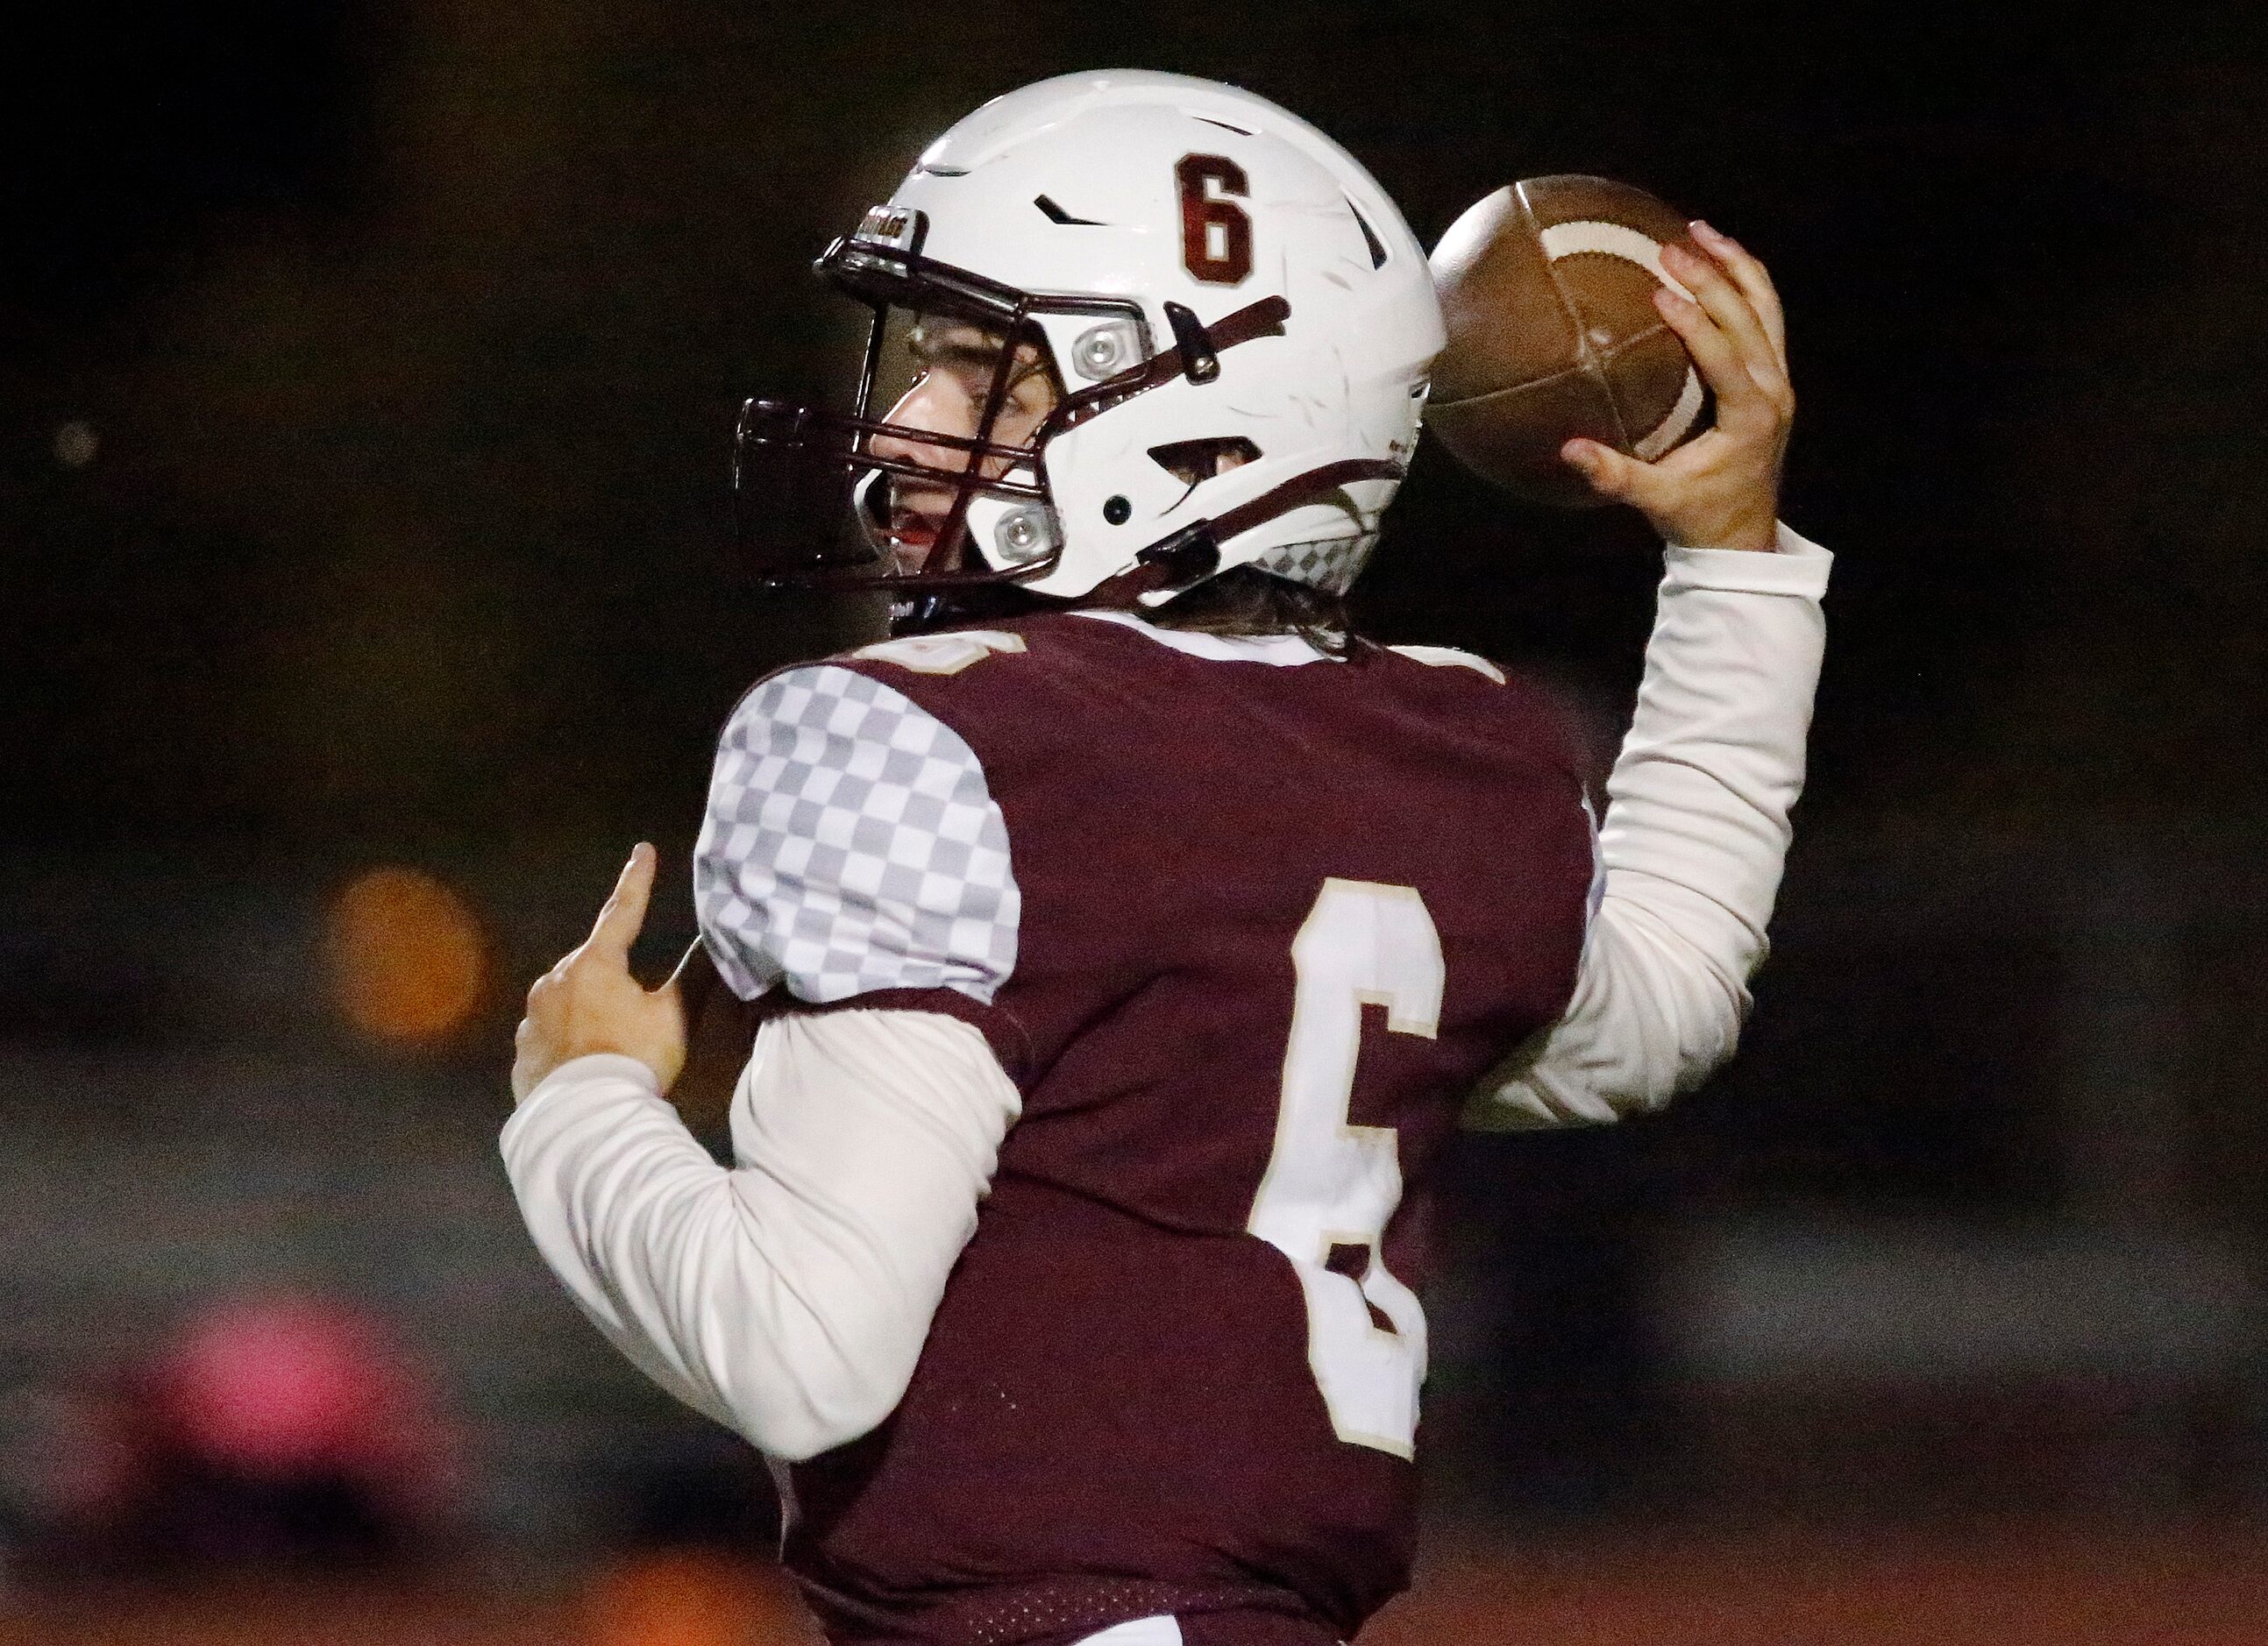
x=639, y=1224
x=1695, y=838
x=1701, y=793
x=787, y=1298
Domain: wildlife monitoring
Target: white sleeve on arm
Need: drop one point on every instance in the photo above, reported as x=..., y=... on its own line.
x=1695, y=832
x=789, y=1298
x=852, y=844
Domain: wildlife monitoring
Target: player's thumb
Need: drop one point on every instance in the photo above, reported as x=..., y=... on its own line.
x=1612, y=475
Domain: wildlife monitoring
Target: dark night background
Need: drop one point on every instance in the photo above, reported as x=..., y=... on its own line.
x=369, y=375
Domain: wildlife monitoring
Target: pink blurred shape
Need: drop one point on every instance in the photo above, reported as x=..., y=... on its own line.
x=290, y=1386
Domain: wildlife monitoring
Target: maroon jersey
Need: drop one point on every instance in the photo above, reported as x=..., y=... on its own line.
x=1244, y=935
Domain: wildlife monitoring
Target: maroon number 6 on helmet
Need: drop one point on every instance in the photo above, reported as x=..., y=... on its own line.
x=1216, y=235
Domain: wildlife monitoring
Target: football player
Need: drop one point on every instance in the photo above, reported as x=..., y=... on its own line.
x=1130, y=934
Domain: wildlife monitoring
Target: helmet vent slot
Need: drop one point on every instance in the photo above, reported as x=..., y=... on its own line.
x=1193, y=462
x=1054, y=213
x=1369, y=237
x=1240, y=130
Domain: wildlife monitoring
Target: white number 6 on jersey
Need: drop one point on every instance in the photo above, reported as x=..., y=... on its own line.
x=1331, y=1185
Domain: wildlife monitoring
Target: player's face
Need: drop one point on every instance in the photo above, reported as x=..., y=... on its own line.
x=954, y=365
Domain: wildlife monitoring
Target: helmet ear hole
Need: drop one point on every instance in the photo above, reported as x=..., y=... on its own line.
x=1192, y=461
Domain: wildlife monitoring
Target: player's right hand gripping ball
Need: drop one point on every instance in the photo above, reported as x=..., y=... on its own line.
x=1547, y=289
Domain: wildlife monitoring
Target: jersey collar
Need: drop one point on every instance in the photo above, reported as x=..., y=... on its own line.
x=1278, y=650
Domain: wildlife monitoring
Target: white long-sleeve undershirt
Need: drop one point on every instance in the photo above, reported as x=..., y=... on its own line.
x=1694, y=839
x=789, y=1296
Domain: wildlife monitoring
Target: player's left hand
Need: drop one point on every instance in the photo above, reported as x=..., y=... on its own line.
x=590, y=1003
x=1721, y=490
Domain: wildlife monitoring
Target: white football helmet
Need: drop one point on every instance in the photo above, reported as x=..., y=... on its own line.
x=1239, y=325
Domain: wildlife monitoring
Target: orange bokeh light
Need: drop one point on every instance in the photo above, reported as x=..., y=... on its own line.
x=693, y=1596
x=409, y=959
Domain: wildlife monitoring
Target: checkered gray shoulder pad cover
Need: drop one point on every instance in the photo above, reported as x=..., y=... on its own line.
x=851, y=844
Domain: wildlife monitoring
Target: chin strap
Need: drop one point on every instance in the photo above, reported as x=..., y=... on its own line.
x=1193, y=553
x=1196, y=355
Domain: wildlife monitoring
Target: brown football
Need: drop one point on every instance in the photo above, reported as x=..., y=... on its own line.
x=1547, y=288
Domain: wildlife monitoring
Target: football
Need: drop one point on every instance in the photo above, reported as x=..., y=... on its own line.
x=1547, y=290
